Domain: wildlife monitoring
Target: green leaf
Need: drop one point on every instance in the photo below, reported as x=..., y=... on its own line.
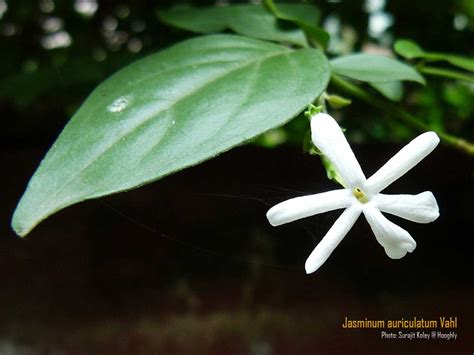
x=169, y=111
x=298, y=13
x=305, y=17
x=412, y=50
x=461, y=62
x=392, y=90
x=374, y=68
x=248, y=20
x=408, y=49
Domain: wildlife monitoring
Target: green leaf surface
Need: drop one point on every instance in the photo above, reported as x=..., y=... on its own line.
x=392, y=90
x=305, y=17
x=169, y=111
x=412, y=50
x=408, y=49
x=298, y=13
x=248, y=20
x=374, y=68
x=461, y=62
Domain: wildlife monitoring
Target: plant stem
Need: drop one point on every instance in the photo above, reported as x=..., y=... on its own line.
x=400, y=113
x=446, y=73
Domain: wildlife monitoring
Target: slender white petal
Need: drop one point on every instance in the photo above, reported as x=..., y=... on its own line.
x=332, y=238
x=327, y=136
x=305, y=206
x=395, y=240
x=421, y=208
x=403, y=161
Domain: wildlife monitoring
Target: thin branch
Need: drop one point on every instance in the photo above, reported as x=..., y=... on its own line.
x=400, y=113
x=446, y=73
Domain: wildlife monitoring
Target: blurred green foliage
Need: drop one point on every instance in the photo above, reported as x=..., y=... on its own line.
x=42, y=86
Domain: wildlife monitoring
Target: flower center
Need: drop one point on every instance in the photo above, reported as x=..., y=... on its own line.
x=360, y=195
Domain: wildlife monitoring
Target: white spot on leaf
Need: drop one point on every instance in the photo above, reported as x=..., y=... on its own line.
x=120, y=104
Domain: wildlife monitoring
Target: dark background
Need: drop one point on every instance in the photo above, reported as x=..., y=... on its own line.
x=189, y=264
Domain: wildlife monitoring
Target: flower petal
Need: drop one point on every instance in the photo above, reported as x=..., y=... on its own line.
x=332, y=239
x=395, y=240
x=327, y=136
x=421, y=208
x=403, y=161
x=305, y=206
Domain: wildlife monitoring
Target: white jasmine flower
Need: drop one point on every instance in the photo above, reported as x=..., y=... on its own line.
x=361, y=195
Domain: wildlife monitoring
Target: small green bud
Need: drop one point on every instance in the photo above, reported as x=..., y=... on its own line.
x=336, y=101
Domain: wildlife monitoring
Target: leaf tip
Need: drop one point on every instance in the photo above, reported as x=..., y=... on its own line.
x=18, y=227
x=24, y=220
x=421, y=80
